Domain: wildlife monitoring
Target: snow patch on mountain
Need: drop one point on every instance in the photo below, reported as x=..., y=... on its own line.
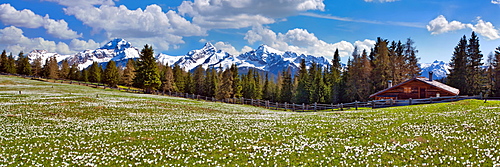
x=440, y=69
x=43, y=55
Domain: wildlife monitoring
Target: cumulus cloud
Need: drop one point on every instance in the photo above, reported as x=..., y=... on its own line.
x=367, y=44
x=27, y=18
x=82, y=3
x=495, y=2
x=80, y=45
x=13, y=39
x=440, y=25
x=151, y=24
x=244, y=13
x=301, y=41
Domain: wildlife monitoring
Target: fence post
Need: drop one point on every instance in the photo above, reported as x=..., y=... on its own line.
x=315, y=106
x=341, y=106
x=251, y=102
x=430, y=99
x=332, y=106
x=285, y=106
x=293, y=107
x=303, y=107
x=356, y=105
x=410, y=101
x=373, y=104
x=392, y=102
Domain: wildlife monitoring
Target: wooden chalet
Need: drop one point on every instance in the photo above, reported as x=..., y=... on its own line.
x=416, y=88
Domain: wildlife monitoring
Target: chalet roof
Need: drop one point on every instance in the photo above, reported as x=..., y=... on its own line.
x=434, y=83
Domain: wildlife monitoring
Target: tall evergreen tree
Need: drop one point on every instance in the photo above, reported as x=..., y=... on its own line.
x=73, y=73
x=188, y=88
x=495, y=77
x=286, y=93
x=303, y=84
x=266, y=88
x=237, y=88
x=11, y=65
x=23, y=65
x=224, y=89
x=3, y=61
x=111, y=75
x=129, y=73
x=168, y=80
x=334, y=77
x=381, y=71
x=95, y=72
x=37, y=67
x=180, y=77
x=410, y=56
x=147, y=74
x=64, y=72
x=475, y=79
x=199, y=80
x=458, y=64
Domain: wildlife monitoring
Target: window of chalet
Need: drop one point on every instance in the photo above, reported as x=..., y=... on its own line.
x=407, y=89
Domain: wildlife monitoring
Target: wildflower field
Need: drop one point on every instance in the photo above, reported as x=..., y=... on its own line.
x=50, y=124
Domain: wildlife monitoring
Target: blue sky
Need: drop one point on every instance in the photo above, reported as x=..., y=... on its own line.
x=315, y=27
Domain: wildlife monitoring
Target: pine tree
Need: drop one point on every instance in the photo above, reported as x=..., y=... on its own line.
x=111, y=75
x=188, y=88
x=95, y=72
x=168, y=80
x=64, y=73
x=266, y=89
x=224, y=89
x=496, y=72
x=129, y=73
x=303, y=84
x=179, y=76
x=237, y=88
x=458, y=71
x=286, y=93
x=147, y=76
x=23, y=65
x=3, y=61
x=317, y=87
x=85, y=75
x=410, y=56
x=381, y=71
x=199, y=80
x=475, y=79
x=37, y=67
x=334, y=77
x=73, y=73
x=11, y=65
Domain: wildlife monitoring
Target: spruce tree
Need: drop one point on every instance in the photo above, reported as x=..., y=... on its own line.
x=458, y=64
x=37, y=67
x=188, y=88
x=85, y=75
x=179, y=76
x=147, y=76
x=111, y=75
x=496, y=72
x=475, y=79
x=168, y=80
x=266, y=88
x=381, y=71
x=224, y=89
x=334, y=77
x=286, y=93
x=303, y=84
x=129, y=73
x=23, y=65
x=199, y=80
x=236, y=81
x=64, y=72
x=73, y=73
x=11, y=65
x=3, y=61
x=410, y=56
x=95, y=72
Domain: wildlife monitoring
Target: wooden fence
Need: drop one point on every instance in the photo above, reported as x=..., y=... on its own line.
x=277, y=105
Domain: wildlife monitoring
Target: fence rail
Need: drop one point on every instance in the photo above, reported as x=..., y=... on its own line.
x=276, y=105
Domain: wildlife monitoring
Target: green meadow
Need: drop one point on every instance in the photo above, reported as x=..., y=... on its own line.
x=53, y=124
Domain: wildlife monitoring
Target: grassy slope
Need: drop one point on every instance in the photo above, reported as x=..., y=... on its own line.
x=58, y=124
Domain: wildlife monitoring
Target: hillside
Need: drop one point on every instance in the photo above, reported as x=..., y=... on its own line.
x=65, y=125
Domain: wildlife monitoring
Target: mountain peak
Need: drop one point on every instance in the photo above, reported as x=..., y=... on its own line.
x=267, y=49
x=209, y=46
x=117, y=44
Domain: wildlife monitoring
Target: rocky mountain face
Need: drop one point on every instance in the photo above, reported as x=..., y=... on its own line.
x=264, y=58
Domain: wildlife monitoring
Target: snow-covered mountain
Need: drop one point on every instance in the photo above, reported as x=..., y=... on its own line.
x=264, y=58
x=44, y=55
x=117, y=50
x=438, y=67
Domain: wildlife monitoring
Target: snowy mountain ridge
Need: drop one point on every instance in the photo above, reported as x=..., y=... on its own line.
x=264, y=58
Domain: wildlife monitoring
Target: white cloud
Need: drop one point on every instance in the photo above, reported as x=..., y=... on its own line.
x=367, y=44
x=143, y=26
x=13, y=39
x=440, y=25
x=81, y=45
x=27, y=18
x=382, y=1
x=495, y=2
x=244, y=13
x=301, y=41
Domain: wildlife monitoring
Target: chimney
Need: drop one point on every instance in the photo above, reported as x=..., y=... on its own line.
x=430, y=75
x=389, y=84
